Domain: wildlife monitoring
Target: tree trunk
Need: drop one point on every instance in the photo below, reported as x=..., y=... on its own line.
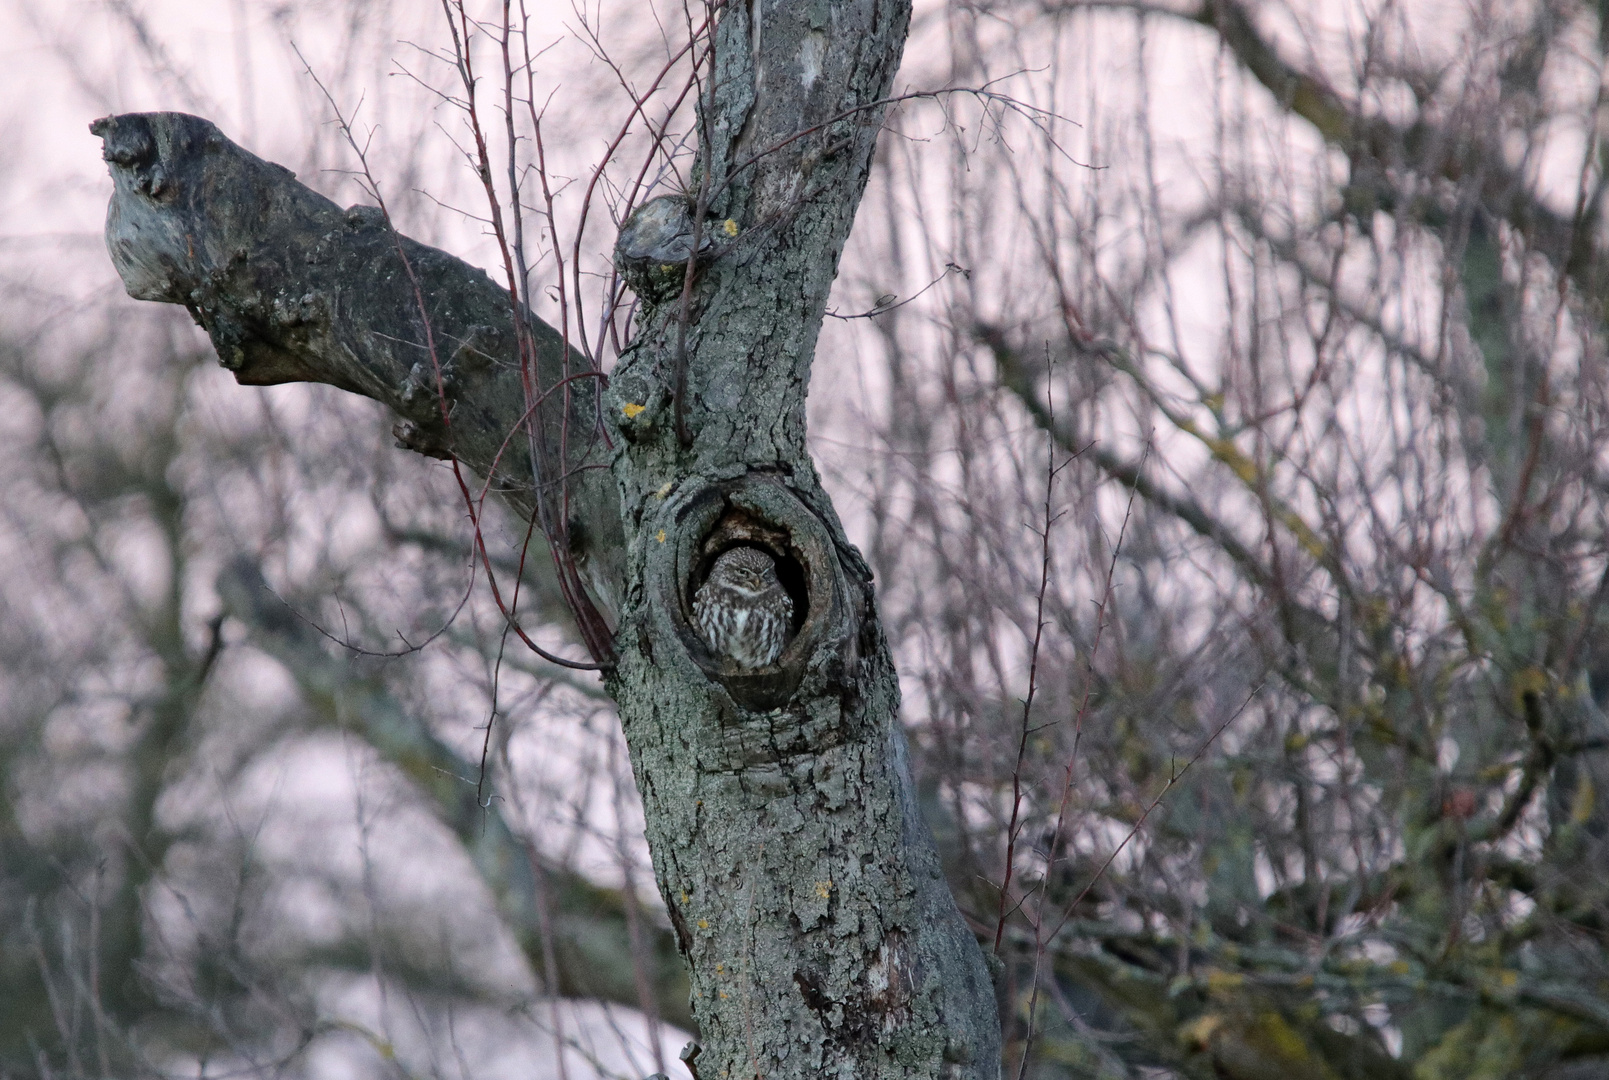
x=802, y=884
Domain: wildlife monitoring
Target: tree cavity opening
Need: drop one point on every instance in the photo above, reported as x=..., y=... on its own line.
x=759, y=511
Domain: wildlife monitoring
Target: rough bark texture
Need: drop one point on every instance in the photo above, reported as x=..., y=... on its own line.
x=291, y=288
x=802, y=884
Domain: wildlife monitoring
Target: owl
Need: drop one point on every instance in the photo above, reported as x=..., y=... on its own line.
x=742, y=610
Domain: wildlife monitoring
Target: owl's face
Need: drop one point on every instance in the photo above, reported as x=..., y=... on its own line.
x=746, y=570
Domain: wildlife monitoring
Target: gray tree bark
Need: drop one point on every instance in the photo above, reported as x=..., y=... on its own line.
x=806, y=896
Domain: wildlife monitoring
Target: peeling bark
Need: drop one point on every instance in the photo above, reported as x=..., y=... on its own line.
x=802, y=883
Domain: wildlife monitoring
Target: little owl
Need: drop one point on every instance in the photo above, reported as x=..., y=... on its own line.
x=742, y=610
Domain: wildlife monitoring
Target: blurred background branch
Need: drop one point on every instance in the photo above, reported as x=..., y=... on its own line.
x=1339, y=266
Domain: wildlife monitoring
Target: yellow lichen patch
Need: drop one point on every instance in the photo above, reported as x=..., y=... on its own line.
x=824, y=889
x=1585, y=797
x=1393, y=669
x=381, y=1046
x=1375, y=613
x=1275, y=1038
x=660, y=536
x=1220, y=981
x=1227, y=452
x=703, y=924
x=662, y=492
x=1500, y=983
x=1198, y=1032
x=1484, y=1047
x=1247, y=471
x=631, y=409
x=1533, y=680
x=1266, y=1041
x=1304, y=534
x=729, y=227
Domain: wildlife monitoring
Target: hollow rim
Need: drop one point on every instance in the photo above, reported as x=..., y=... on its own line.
x=763, y=511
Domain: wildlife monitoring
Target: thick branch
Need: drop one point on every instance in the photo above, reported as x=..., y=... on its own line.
x=1460, y=152
x=291, y=288
x=1426, y=147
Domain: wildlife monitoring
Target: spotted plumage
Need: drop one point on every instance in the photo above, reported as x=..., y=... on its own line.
x=742, y=610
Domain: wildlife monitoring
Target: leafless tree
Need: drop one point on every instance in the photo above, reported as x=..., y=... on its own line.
x=1217, y=397
x=788, y=846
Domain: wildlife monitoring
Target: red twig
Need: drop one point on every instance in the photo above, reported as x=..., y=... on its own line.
x=1173, y=779
x=373, y=188
x=1067, y=780
x=656, y=143
x=555, y=527
x=1014, y=827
